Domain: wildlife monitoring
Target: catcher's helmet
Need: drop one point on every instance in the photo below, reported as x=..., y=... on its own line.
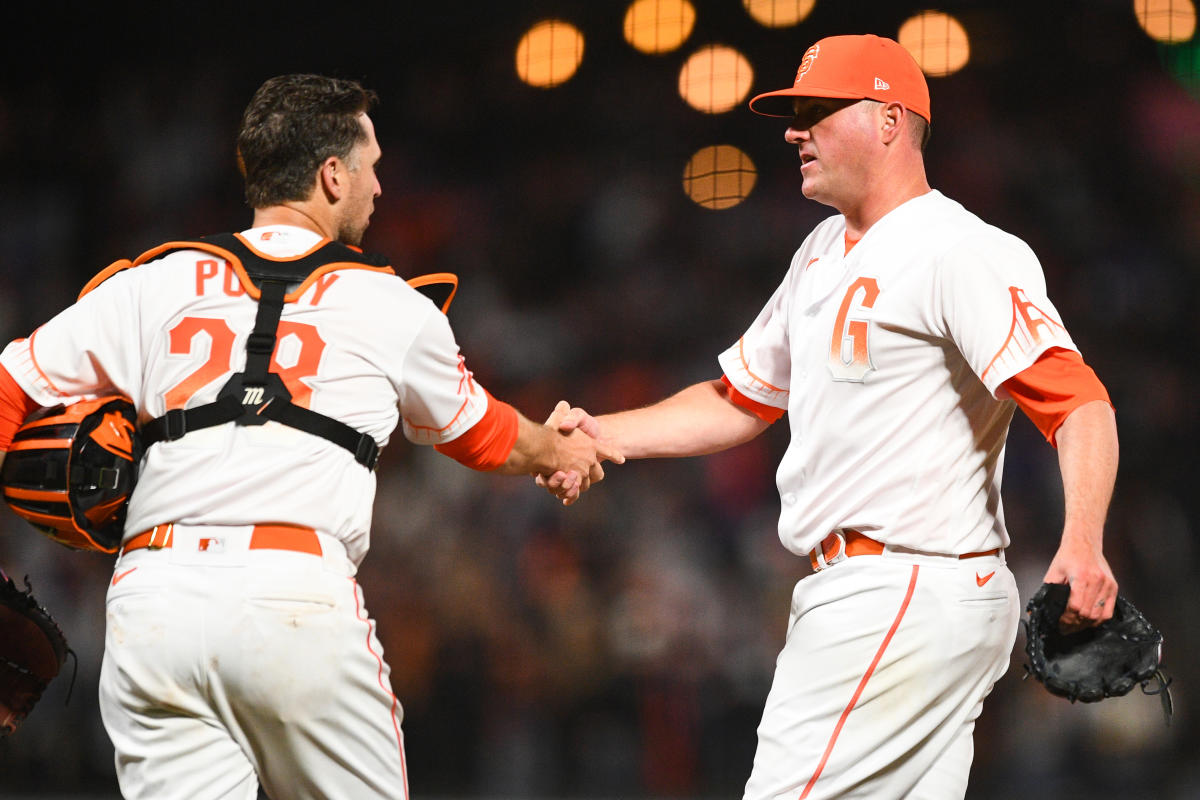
x=70, y=471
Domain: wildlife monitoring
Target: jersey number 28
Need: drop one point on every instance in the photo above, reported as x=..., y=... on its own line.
x=183, y=342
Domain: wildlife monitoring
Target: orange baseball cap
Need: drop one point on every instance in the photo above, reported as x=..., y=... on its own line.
x=864, y=67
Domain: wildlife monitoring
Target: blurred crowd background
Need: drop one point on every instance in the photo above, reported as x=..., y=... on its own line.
x=623, y=647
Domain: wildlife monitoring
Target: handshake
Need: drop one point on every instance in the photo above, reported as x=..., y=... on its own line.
x=577, y=450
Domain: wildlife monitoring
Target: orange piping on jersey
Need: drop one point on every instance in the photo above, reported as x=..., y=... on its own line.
x=448, y=425
x=1054, y=386
x=851, y=242
x=104, y=274
x=746, y=366
x=763, y=411
x=464, y=380
x=238, y=268
x=36, y=366
x=383, y=684
x=862, y=684
x=488, y=443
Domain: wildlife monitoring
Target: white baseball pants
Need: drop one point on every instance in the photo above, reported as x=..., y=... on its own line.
x=226, y=666
x=887, y=661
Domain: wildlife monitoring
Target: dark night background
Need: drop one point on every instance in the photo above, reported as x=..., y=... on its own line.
x=623, y=647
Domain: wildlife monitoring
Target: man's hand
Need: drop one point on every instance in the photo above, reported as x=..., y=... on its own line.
x=1093, y=587
x=1087, y=458
x=574, y=425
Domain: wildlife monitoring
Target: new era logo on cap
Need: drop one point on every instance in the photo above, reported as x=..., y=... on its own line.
x=881, y=85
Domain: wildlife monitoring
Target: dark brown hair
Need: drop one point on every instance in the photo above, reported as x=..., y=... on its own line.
x=292, y=124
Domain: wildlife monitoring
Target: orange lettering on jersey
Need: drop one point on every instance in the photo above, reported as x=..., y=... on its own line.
x=205, y=268
x=188, y=339
x=233, y=285
x=849, y=354
x=308, y=359
x=323, y=283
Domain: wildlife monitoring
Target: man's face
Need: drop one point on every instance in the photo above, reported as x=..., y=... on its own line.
x=836, y=140
x=359, y=202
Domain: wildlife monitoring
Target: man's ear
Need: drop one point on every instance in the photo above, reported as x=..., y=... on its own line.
x=893, y=119
x=332, y=178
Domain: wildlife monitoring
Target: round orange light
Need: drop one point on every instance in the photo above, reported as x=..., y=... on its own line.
x=715, y=79
x=658, y=26
x=779, y=13
x=549, y=53
x=937, y=41
x=720, y=176
x=1169, y=21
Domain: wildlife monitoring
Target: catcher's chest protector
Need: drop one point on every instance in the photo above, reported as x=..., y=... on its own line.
x=256, y=395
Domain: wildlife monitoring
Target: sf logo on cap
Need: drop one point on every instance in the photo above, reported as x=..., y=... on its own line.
x=807, y=62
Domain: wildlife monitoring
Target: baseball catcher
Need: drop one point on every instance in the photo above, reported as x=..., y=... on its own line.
x=1092, y=664
x=32, y=651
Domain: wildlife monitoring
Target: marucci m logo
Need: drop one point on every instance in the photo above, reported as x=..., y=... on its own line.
x=253, y=395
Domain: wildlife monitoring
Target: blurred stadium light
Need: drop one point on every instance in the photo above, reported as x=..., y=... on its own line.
x=779, y=13
x=937, y=41
x=720, y=176
x=715, y=79
x=658, y=26
x=549, y=53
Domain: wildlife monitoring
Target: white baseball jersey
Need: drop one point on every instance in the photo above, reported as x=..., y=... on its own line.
x=889, y=361
x=169, y=333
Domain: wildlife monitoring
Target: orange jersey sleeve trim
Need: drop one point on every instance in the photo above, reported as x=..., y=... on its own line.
x=763, y=411
x=486, y=444
x=1052, y=387
x=15, y=406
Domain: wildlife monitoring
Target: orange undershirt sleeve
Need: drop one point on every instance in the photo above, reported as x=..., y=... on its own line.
x=766, y=413
x=487, y=444
x=1052, y=387
x=15, y=406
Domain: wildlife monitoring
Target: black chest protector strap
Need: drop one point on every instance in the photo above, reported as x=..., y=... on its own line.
x=256, y=395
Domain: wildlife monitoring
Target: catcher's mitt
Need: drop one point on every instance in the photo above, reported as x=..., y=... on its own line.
x=1107, y=660
x=32, y=651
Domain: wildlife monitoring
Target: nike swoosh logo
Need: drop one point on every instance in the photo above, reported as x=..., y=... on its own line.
x=981, y=580
x=812, y=261
x=120, y=575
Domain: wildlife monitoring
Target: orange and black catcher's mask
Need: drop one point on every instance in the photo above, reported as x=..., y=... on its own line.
x=71, y=469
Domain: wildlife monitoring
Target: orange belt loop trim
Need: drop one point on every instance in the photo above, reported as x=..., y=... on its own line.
x=295, y=538
x=859, y=544
x=285, y=537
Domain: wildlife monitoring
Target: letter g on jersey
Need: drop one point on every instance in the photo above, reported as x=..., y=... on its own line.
x=849, y=349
